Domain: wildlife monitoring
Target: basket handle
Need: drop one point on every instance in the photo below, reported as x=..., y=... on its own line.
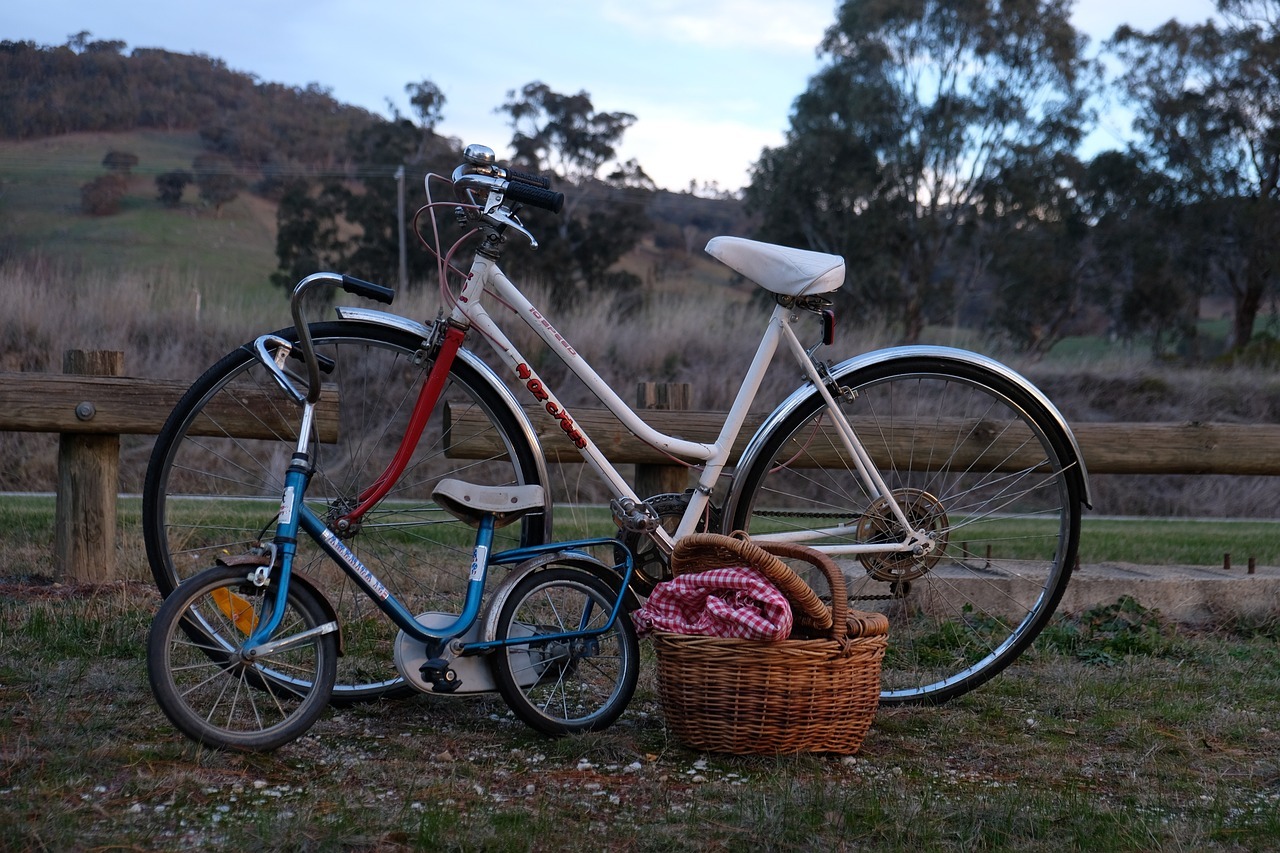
x=694, y=550
x=835, y=579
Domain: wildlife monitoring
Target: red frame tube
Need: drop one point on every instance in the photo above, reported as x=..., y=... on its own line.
x=427, y=399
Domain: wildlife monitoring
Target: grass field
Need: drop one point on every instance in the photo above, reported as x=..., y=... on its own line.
x=40, y=207
x=28, y=526
x=1117, y=732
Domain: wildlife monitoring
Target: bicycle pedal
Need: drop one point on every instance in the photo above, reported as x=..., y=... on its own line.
x=443, y=678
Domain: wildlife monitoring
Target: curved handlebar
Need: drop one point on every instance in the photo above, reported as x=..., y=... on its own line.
x=509, y=184
x=354, y=286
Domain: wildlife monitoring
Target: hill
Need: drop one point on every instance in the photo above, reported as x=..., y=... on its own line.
x=95, y=86
x=40, y=184
x=63, y=109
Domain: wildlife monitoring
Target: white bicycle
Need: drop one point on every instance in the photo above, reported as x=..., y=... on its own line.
x=947, y=487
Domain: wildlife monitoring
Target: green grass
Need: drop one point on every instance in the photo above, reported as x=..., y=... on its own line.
x=230, y=255
x=1176, y=541
x=1099, y=744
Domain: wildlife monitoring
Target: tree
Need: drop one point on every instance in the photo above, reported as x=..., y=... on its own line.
x=428, y=101
x=171, y=185
x=1032, y=240
x=120, y=161
x=896, y=140
x=217, y=180
x=1138, y=253
x=563, y=134
x=102, y=195
x=604, y=217
x=349, y=223
x=308, y=231
x=1207, y=102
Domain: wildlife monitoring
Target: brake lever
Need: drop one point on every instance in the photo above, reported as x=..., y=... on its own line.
x=274, y=360
x=496, y=211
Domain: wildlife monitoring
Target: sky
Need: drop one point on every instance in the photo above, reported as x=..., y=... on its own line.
x=711, y=82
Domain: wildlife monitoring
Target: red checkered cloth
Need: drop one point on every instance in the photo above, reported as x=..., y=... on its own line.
x=728, y=602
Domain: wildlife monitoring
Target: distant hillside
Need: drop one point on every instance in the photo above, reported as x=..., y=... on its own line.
x=40, y=214
x=96, y=86
x=63, y=109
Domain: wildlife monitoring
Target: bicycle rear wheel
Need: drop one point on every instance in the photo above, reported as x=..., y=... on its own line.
x=567, y=685
x=973, y=458
x=215, y=478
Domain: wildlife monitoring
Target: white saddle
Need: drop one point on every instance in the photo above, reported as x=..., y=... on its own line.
x=468, y=502
x=779, y=269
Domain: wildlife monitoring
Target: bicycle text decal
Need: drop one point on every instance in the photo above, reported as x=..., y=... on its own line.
x=371, y=581
x=534, y=384
x=546, y=324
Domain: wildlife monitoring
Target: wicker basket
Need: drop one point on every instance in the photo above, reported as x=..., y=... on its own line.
x=797, y=695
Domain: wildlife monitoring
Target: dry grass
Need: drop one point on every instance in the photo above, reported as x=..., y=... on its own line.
x=1113, y=735
x=703, y=332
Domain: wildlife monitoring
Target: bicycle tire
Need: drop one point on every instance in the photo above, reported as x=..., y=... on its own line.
x=207, y=495
x=219, y=700
x=568, y=686
x=1007, y=538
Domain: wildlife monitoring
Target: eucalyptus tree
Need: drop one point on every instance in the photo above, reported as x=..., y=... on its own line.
x=605, y=209
x=1207, y=105
x=897, y=139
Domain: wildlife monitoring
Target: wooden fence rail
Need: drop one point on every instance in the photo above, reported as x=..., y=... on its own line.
x=90, y=412
x=1108, y=448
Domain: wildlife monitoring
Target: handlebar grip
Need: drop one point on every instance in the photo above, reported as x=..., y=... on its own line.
x=368, y=290
x=536, y=196
x=526, y=178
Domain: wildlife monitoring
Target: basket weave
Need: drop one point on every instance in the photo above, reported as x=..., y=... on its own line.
x=797, y=695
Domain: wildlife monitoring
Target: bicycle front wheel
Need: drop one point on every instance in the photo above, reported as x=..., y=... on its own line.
x=216, y=474
x=210, y=692
x=973, y=459
x=564, y=684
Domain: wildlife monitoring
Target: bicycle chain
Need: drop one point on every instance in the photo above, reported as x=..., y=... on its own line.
x=782, y=513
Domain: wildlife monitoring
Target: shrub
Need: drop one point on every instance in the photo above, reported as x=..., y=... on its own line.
x=170, y=186
x=120, y=161
x=101, y=196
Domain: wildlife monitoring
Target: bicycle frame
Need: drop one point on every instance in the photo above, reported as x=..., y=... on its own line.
x=470, y=312
x=295, y=515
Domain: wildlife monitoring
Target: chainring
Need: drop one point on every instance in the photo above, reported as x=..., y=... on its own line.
x=651, y=565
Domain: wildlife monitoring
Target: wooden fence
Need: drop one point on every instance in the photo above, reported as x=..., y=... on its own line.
x=91, y=405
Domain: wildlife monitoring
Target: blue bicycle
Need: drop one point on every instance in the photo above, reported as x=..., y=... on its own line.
x=243, y=655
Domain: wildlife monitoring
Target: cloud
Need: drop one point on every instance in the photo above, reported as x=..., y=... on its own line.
x=794, y=26
x=671, y=147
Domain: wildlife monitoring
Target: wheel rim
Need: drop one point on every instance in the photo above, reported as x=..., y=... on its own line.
x=575, y=683
x=217, y=697
x=982, y=476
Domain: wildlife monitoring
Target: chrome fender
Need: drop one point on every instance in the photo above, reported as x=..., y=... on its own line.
x=575, y=559
x=413, y=327
x=883, y=356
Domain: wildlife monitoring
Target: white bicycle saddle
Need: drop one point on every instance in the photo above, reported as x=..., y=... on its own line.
x=779, y=269
x=468, y=502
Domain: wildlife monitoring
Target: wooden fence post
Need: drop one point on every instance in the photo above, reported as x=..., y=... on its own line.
x=88, y=481
x=653, y=480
